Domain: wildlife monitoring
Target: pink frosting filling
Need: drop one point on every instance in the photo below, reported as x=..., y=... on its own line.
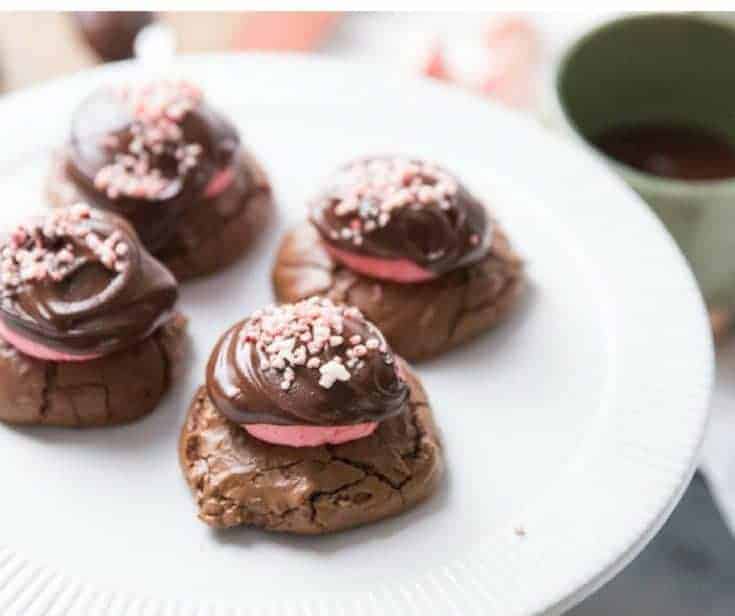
x=38, y=350
x=219, y=182
x=396, y=270
x=309, y=436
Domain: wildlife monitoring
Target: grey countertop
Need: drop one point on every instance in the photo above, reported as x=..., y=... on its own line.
x=687, y=570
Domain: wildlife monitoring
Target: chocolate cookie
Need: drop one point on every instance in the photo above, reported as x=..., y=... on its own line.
x=113, y=389
x=160, y=156
x=87, y=322
x=238, y=479
x=419, y=320
x=403, y=240
x=308, y=423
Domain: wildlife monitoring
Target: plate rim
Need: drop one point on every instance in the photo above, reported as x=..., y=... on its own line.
x=462, y=583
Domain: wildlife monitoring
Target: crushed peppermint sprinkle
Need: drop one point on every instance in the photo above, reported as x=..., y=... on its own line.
x=50, y=248
x=158, y=109
x=367, y=192
x=310, y=333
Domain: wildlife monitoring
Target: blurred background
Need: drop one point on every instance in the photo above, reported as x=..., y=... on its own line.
x=511, y=59
x=457, y=44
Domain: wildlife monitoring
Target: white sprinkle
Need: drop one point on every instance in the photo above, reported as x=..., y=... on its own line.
x=332, y=372
x=93, y=241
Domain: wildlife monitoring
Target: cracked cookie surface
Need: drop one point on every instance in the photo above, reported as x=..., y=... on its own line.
x=209, y=236
x=419, y=320
x=113, y=389
x=239, y=480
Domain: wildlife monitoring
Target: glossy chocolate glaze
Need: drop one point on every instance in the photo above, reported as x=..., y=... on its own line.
x=102, y=130
x=246, y=392
x=93, y=306
x=439, y=226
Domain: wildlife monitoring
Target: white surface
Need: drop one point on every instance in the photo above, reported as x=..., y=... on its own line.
x=577, y=421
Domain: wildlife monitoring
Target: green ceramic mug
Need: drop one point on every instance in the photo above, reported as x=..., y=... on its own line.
x=654, y=68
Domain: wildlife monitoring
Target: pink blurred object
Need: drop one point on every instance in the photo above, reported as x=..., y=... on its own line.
x=436, y=65
x=512, y=45
x=509, y=28
x=292, y=31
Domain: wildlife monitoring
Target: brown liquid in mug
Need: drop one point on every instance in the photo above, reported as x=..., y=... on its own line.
x=670, y=151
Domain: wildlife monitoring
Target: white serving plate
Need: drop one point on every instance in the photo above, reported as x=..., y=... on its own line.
x=570, y=431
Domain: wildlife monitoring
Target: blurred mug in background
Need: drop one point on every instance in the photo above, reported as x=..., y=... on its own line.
x=655, y=95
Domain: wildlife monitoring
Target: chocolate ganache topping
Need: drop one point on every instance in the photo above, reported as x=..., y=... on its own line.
x=309, y=363
x=402, y=208
x=78, y=281
x=148, y=153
